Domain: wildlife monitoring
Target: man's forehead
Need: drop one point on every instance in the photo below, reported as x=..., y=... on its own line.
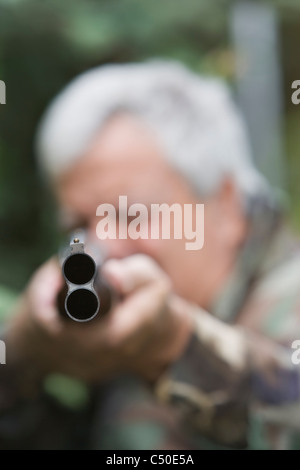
x=123, y=144
x=129, y=133
x=123, y=160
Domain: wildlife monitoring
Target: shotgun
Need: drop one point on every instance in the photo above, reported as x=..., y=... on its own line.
x=85, y=294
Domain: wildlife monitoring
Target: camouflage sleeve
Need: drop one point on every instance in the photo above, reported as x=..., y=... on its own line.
x=18, y=412
x=33, y=419
x=224, y=370
x=23, y=411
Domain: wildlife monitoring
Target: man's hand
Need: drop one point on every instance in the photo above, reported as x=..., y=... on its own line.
x=142, y=334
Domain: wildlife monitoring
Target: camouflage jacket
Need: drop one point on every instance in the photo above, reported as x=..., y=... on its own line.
x=234, y=385
x=236, y=382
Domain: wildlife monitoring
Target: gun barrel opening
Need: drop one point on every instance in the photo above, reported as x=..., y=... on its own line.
x=79, y=268
x=82, y=305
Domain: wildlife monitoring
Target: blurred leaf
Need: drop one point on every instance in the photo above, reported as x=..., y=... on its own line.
x=44, y=44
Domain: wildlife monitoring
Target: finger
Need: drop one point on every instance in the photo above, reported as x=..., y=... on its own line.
x=46, y=285
x=131, y=273
x=138, y=313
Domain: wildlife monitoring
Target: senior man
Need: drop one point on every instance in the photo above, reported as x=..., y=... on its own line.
x=199, y=346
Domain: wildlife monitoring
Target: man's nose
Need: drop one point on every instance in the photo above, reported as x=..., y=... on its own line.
x=119, y=248
x=113, y=248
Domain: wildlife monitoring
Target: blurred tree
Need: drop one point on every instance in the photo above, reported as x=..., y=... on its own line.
x=43, y=45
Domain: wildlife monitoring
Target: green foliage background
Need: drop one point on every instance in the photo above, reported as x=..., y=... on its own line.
x=44, y=44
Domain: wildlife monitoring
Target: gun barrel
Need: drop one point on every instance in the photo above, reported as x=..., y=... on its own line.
x=80, y=300
x=84, y=292
x=79, y=268
x=82, y=304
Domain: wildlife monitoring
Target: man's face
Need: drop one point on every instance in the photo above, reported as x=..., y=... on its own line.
x=126, y=160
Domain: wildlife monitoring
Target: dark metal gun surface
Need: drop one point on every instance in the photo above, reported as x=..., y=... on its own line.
x=85, y=294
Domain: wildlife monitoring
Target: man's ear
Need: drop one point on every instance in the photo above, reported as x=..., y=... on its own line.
x=233, y=222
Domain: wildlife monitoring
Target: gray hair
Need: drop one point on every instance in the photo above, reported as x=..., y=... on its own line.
x=194, y=118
